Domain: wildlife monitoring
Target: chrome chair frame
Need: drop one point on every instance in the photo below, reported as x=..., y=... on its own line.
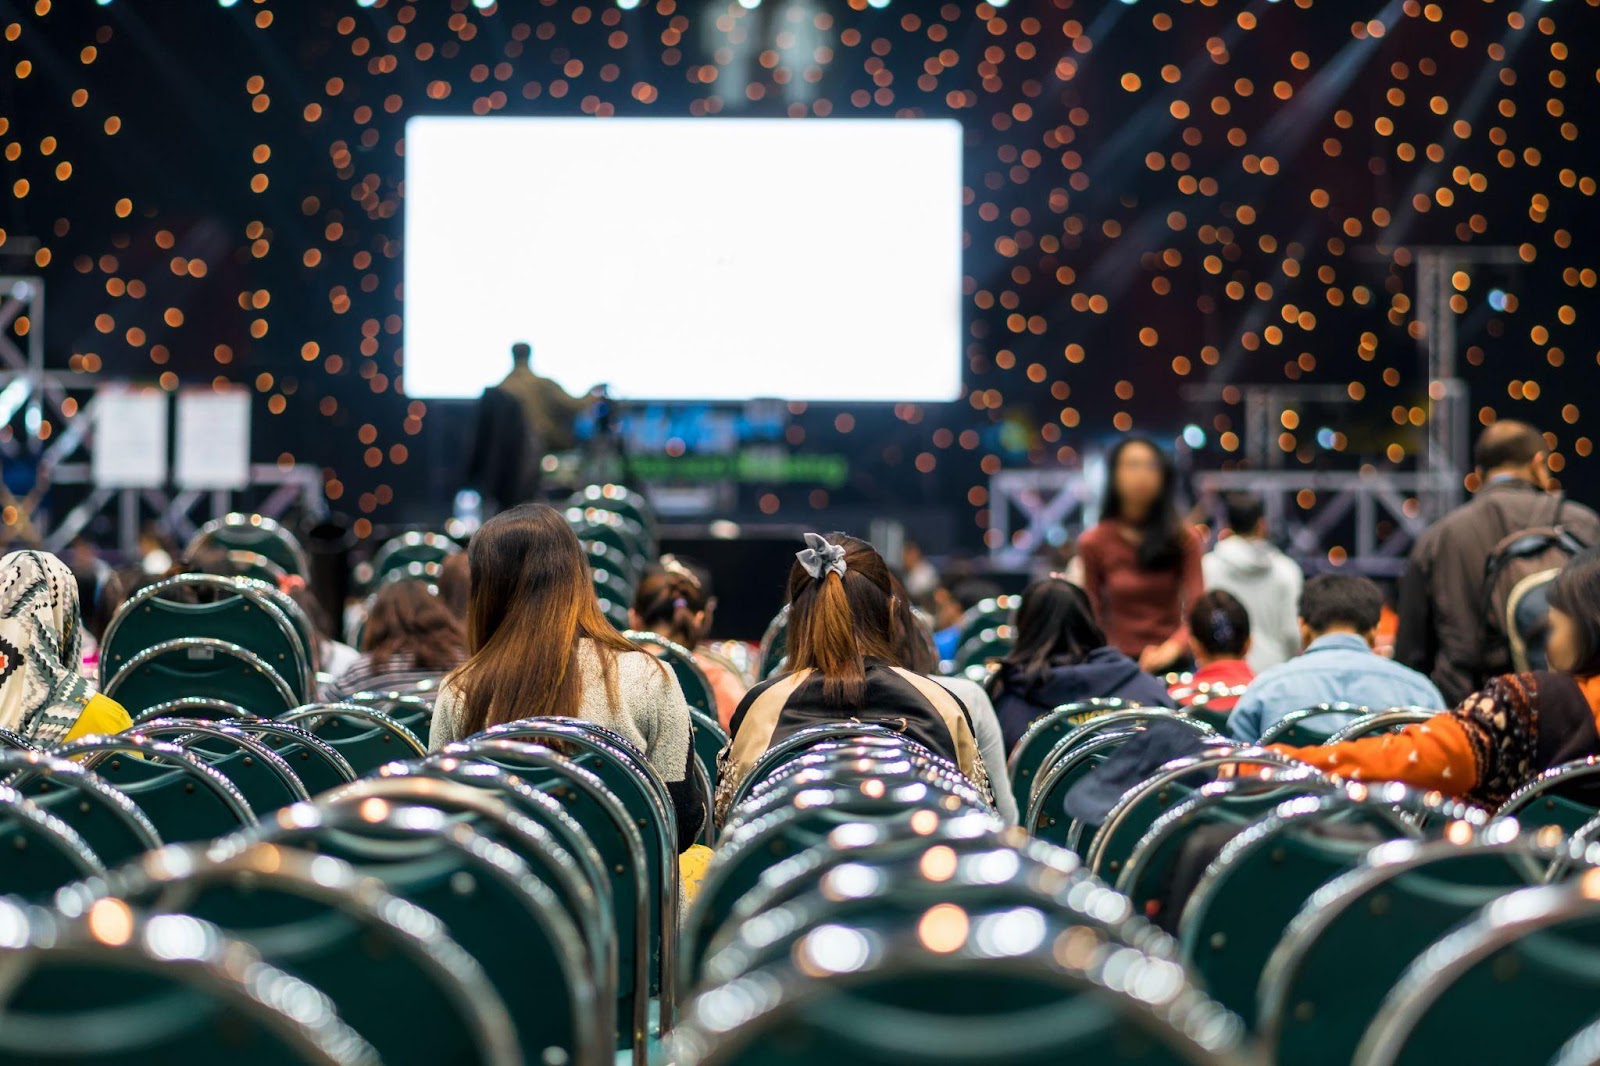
x=96, y=749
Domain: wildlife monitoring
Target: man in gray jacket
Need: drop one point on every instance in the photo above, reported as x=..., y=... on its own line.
x=1442, y=624
x=1250, y=567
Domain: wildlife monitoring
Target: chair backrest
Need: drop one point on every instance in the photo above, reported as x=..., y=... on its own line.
x=193, y=707
x=627, y=774
x=252, y=533
x=796, y=743
x=1541, y=802
x=399, y=554
x=107, y=820
x=255, y=767
x=1078, y=753
x=1107, y=847
x=1355, y=936
x=583, y=895
x=243, y=646
x=1218, y=809
x=42, y=851
x=185, y=797
x=198, y=995
x=1311, y=725
x=490, y=902
x=986, y=614
x=312, y=916
x=1044, y=733
x=851, y=996
x=1379, y=722
x=618, y=498
x=638, y=880
x=317, y=763
x=1527, y=963
x=1252, y=890
x=367, y=738
x=987, y=644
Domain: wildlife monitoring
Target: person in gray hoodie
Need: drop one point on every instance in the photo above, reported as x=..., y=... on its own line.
x=1061, y=657
x=1250, y=567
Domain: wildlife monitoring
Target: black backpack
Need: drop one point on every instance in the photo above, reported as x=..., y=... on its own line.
x=1517, y=578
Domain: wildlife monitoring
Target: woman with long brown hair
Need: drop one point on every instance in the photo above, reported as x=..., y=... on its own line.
x=842, y=639
x=410, y=636
x=540, y=647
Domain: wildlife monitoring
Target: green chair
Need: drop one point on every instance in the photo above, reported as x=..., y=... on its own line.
x=116, y=988
x=411, y=555
x=193, y=707
x=182, y=795
x=1107, y=847
x=986, y=646
x=637, y=893
x=986, y=614
x=1043, y=734
x=709, y=740
x=108, y=821
x=317, y=763
x=1311, y=725
x=365, y=737
x=614, y=531
x=1542, y=801
x=798, y=742
x=775, y=643
x=1377, y=723
x=42, y=851
x=1355, y=936
x=1146, y=875
x=312, y=916
x=1133, y=720
x=1046, y=814
x=1511, y=984
x=628, y=775
x=620, y=499
x=876, y=998
x=490, y=903
x=1251, y=892
x=241, y=647
x=252, y=533
x=581, y=889
x=1582, y=1050
x=257, y=770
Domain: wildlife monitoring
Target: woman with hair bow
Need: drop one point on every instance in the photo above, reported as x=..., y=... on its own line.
x=842, y=640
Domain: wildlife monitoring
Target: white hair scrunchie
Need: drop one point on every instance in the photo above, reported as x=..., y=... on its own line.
x=821, y=558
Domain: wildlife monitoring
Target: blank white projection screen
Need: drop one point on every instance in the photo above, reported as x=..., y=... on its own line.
x=686, y=259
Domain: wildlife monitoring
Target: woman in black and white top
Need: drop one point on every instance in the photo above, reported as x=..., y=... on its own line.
x=540, y=647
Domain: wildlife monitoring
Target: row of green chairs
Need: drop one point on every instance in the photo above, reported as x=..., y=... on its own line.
x=618, y=530
x=865, y=905
x=253, y=545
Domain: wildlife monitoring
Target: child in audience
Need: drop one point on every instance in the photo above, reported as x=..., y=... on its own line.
x=540, y=647
x=44, y=696
x=1219, y=638
x=410, y=636
x=913, y=649
x=841, y=668
x=673, y=602
x=1061, y=656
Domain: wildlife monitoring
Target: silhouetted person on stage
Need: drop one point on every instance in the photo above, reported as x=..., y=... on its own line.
x=520, y=421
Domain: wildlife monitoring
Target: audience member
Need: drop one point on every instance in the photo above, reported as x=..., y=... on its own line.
x=951, y=602
x=1338, y=619
x=410, y=636
x=674, y=602
x=44, y=696
x=1061, y=656
x=1514, y=728
x=540, y=647
x=1248, y=565
x=1220, y=636
x=841, y=656
x=1444, y=625
x=455, y=585
x=913, y=649
x=1141, y=563
x=921, y=579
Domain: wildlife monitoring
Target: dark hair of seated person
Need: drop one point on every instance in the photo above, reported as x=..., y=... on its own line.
x=1220, y=624
x=1055, y=625
x=1332, y=601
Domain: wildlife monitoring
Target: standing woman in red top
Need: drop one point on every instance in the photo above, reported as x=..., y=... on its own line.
x=1141, y=563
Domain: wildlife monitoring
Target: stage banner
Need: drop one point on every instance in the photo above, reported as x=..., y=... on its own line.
x=213, y=439
x=130, y=438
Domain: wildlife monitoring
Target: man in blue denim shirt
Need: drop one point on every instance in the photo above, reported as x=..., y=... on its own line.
x=1338, y=621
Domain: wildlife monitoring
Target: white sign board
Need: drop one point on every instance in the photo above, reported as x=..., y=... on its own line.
x=213, y=439
x=130, y=438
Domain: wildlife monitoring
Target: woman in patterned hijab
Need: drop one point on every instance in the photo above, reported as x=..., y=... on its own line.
x=43, y=694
